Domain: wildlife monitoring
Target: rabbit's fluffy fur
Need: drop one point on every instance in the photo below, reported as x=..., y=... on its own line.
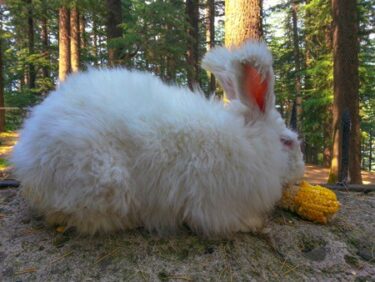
x=114, y=149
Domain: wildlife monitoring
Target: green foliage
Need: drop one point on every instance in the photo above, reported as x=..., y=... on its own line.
x=17, y=55
x=4, y=163
x=155, y=38
x=19, y=104
x=366, y=13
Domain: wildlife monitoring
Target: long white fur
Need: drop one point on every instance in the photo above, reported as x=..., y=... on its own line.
x=117, y=149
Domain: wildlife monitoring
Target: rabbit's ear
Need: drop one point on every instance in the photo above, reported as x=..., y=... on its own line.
x=252, y=63
x=245, y=73
x=217, y=61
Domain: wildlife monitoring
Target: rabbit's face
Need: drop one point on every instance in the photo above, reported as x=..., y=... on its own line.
x=295, y=167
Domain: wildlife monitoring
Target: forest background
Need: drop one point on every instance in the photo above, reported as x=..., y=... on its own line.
x=42, y=41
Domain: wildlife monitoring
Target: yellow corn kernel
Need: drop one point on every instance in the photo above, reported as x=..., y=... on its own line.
x=226, y=100
x=60, y=229
x=315, y=203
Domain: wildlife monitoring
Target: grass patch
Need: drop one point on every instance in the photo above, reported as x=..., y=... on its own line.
x=7, y=140
x=4, y=164
x=351, y=260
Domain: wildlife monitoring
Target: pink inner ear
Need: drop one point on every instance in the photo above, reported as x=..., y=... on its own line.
x=255, y=88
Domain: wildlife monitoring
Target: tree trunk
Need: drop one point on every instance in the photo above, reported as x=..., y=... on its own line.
x=307, y=59
x=114, y=31
x=45, y=44
x=64, y=43
x=293, y=124
x=74, y=39
x=346, y=84
x=297, y=62
x=170, y=61
x=327, y=151
x=82, y=33
x=100, y=52
x=210, y=38
x=243, y=20
x=30, y=34
x=2, y=111
x=170, y=72
x=370, y=154
x=95, y=48
x=192, y=13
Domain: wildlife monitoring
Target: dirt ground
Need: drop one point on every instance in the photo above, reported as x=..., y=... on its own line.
x=288, y=249
x=319, y=175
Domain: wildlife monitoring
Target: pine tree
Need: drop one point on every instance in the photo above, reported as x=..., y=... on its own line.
x=82, y=32
x=192, y=13
x=30, y=34
x=2, y=112
x=64, y=43
x=296, y=110
x=114, y=31
x=74, y=39
x=210, y=37
x=346, y=85
x=45, y=40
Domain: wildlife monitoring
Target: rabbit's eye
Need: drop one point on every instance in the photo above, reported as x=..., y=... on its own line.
x=287, y=142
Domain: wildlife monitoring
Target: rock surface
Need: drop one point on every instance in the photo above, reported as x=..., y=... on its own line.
x=288, y=249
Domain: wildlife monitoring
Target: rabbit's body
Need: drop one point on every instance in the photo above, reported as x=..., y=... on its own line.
x=114, y=149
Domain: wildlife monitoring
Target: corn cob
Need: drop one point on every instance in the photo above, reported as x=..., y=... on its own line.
x=315, y=203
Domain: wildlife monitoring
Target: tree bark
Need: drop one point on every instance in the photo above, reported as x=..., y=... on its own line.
x=82, y=33
x=327, y=136
x=370, y=154
x=210, y=37
x=64, y=43
x=192, y=13
x=45, y=44
x=243, y=20
x=45, y=40
x=170, y=61
x=2, y=111
x=30, y=35
x=74, y=39
x=346, y=86
x=95, y=40
x=114, y=31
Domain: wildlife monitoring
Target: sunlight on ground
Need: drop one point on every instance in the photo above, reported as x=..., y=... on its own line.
x=7, y=141
x=5, y=149
x=9, y=134
x=319, y=175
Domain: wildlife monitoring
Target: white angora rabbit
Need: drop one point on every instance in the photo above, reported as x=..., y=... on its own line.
x=114, y=149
